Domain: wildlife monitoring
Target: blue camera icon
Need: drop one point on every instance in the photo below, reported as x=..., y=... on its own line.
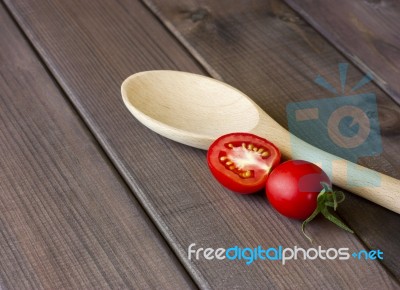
x=346, y=126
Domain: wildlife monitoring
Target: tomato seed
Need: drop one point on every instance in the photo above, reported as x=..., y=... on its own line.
x=229, y=164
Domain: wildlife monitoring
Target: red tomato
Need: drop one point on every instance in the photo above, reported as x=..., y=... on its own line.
x=292, y=188
x=242, y=161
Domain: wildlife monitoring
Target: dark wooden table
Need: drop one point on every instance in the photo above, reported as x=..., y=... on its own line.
x=91, y=199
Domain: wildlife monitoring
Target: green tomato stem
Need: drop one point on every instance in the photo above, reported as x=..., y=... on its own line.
x=327, y=198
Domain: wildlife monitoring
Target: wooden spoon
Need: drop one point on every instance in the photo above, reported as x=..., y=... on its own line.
x=195, y=110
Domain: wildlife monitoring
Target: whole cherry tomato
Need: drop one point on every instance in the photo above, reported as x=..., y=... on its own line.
x=292, y=188
x=242, y=161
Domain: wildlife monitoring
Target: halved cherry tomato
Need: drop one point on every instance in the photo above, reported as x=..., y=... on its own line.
x=242, y=161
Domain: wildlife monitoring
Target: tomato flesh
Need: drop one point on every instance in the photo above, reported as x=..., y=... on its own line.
x=293, y=186
x=242, y=161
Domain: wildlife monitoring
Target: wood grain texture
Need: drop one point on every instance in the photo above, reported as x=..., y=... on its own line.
x=91, y=47
x=67, y=220
x=267, y=51
x=366, y=31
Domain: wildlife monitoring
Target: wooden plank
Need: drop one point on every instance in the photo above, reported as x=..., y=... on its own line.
x=266, y=50
x=67, y=219
x=104, y=42
x=367, y=32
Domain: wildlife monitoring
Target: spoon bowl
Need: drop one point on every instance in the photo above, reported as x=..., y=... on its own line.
x=195, y=110
x=155, y=97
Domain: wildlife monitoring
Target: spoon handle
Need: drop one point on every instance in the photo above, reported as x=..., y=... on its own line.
x=369, y=184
